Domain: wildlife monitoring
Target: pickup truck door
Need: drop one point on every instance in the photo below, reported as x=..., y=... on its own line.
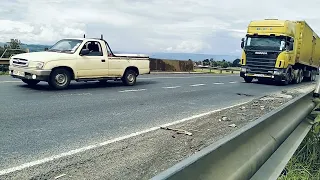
x=94, y=64
x=117, y=65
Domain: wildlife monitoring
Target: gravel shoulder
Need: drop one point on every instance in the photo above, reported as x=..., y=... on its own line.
x=144, y=156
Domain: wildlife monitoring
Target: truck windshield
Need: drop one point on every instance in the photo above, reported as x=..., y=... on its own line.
x=66, y=46
x=265, y=43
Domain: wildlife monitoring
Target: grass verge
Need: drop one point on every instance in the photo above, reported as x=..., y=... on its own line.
x=305, y=163
x=4, y=73
x=215, y=71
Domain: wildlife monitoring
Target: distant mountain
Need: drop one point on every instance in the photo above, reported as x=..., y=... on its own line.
x=194, y=57
x=160, y=55
x=35, y=47
x=31, y=47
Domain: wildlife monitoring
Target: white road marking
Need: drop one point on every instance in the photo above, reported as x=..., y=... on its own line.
x=233, y=82
x=10, y=81
x=133, y=90
x=90, y=147
x=195, y=85
x=186, y=77
x=172, y=87
x=64, y=95
x=218, y=83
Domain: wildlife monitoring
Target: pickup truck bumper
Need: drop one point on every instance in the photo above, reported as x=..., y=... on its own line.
x=27, y=73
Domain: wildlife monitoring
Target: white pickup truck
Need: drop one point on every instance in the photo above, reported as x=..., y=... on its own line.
x=79, y=59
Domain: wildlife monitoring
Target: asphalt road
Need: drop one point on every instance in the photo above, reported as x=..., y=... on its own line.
x=39, y=122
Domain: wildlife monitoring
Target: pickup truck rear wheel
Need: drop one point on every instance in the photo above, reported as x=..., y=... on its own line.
x=30, y=82
x=129, y=78
x=59, y=78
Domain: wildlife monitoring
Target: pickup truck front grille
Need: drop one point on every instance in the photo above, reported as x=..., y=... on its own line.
x=19, y=62
x=261, y=62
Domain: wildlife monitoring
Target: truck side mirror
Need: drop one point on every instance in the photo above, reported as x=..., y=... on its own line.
x=84, y=52
x=242, y=43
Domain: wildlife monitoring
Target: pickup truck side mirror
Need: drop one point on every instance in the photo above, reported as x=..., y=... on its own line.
x=84, y=52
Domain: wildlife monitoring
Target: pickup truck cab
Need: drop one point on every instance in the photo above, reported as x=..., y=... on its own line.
x=79, y=59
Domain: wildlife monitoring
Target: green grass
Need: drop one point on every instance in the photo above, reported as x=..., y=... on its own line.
x=4, y=73
x=305, y=163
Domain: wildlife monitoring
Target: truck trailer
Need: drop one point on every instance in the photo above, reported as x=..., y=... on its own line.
x=283, y=51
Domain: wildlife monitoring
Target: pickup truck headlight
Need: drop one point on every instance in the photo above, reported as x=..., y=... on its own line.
x=39, y=65
x=36, y=64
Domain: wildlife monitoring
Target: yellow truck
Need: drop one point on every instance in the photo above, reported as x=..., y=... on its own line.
x=79, y=59
x=280, y=50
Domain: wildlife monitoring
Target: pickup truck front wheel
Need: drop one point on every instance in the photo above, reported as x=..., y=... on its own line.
x=60, y=78
x=129, y=78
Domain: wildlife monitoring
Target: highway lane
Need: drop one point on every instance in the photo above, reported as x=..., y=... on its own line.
x=39, y=122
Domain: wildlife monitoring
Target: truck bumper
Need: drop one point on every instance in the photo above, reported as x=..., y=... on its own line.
x=278, y=75
x=27, y=73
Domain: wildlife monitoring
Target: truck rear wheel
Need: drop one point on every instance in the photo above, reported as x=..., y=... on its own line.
x=129, y=78
x=60, y=78
x=30, y=82
x=313, y=75
x=298, y=76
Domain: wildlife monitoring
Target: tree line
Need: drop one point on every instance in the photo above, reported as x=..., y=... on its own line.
x=11, y=48
x=223, y=64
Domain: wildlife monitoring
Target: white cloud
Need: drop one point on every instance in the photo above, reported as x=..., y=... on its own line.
x=200, y=26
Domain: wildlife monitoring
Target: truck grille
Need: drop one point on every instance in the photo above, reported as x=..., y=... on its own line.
x=19, y=62
x=261, y=62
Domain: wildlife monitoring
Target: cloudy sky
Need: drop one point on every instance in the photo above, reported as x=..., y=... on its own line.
x=195, y=26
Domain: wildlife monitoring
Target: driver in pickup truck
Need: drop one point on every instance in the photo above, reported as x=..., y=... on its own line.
x=94, y=49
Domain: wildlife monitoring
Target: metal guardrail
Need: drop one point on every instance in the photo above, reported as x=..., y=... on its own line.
x=6, y=50
x=4, y=61
x=259, y=150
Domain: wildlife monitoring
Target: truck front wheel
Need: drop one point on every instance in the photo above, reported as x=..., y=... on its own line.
x=59, y=78
x=248, y=79
x=129, y=78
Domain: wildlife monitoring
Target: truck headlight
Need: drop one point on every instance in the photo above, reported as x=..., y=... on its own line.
x=243, y=69
x=277, y=72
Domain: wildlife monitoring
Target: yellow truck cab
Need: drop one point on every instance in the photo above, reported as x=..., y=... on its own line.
x=280, y=50
x=79, y=59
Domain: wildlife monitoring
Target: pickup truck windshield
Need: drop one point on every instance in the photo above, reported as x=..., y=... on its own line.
x=265, y=43
x=66, y=46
